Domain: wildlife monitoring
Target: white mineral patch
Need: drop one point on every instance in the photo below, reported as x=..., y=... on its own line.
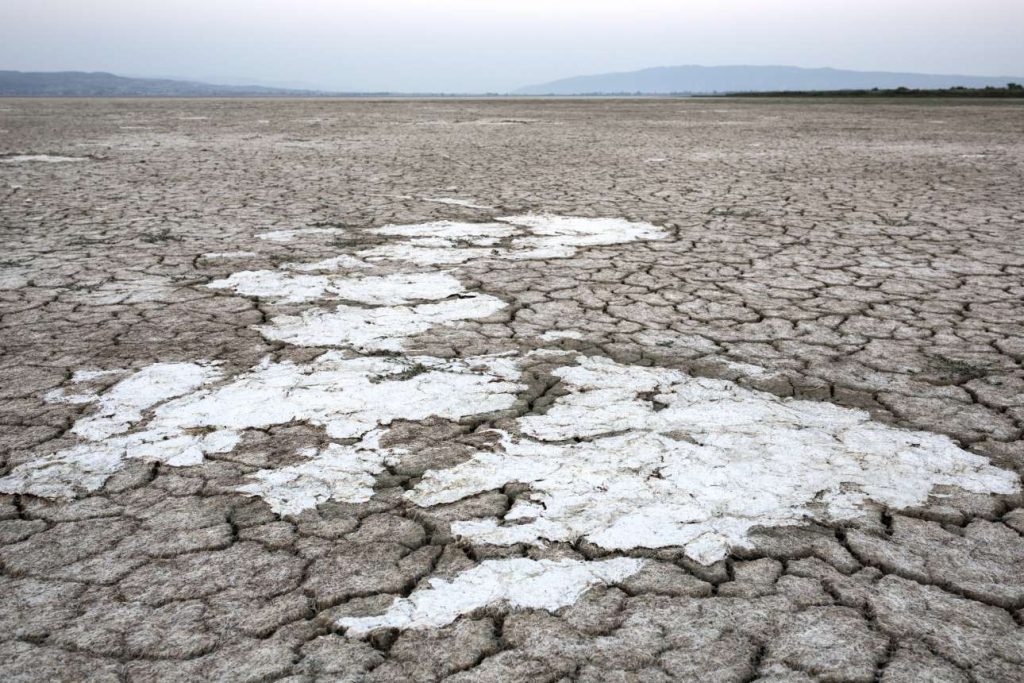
x=398, y=288
x=87, y=466
x=343, y=262
x=440, y=243
x=452, y=201
x=554, y=335
x=438, y=254
x=531, y=237
x=122, y=406
x=289, y=235
x=671, y=460
x=275, y=284
x=43, y=158
x=450, y=230
x=227, y=255
x=61, y=396
x=337, y=472
x=501, y=122
x=519, y=583
x=554, y=233
x=376, y=329
x=391, y=319
x=63, y=474
x=347, y=396
x=90, y=375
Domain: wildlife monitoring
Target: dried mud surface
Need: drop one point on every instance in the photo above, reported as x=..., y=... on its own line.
x=866, y=255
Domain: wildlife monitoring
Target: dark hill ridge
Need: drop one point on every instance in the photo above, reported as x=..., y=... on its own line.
x=721, y=79
x=101, y=84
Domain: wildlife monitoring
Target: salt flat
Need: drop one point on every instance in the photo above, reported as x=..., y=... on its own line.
x=523, y=390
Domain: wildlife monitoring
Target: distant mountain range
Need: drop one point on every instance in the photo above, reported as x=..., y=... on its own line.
x=723, y=79
x=100, y=84
x=655, y=81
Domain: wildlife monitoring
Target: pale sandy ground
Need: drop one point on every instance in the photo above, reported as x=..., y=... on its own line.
x=758, y=418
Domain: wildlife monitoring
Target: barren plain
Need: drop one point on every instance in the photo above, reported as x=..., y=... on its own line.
x=499, y=390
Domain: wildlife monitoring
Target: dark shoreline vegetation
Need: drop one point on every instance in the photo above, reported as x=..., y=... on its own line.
x=1012, y=90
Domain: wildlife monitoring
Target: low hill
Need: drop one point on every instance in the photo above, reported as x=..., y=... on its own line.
x=101, y=84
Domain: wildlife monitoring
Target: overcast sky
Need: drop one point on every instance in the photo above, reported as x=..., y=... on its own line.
x=499, y=45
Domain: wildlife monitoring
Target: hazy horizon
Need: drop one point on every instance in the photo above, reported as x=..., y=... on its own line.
x=481, y=46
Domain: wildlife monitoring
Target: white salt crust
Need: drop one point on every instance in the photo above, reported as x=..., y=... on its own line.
x=382, y=326
x=519, y=583
x=384, y=319
x=555, y=335
x=274, y=284
x=123, y=405
x=227, y=255
x=289, y=235
x=527, y=237
x=432, y=252
x=449, y=230
x=40, y=158
x=670, y=460
x=343, y=262
x=630, y=457
x=60, y=396
x=376, y=329
x=336, y=472
x=399, y=288
x=349, y=397
x=453, y=201
x=86, y=467
x=89, y=375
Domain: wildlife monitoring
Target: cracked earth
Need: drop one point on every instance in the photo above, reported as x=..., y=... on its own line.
x=511, y=391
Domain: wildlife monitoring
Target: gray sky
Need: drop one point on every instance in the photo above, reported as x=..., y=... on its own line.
x=498, y=45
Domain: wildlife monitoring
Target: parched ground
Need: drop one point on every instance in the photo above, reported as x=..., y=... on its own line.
x=757, y=415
